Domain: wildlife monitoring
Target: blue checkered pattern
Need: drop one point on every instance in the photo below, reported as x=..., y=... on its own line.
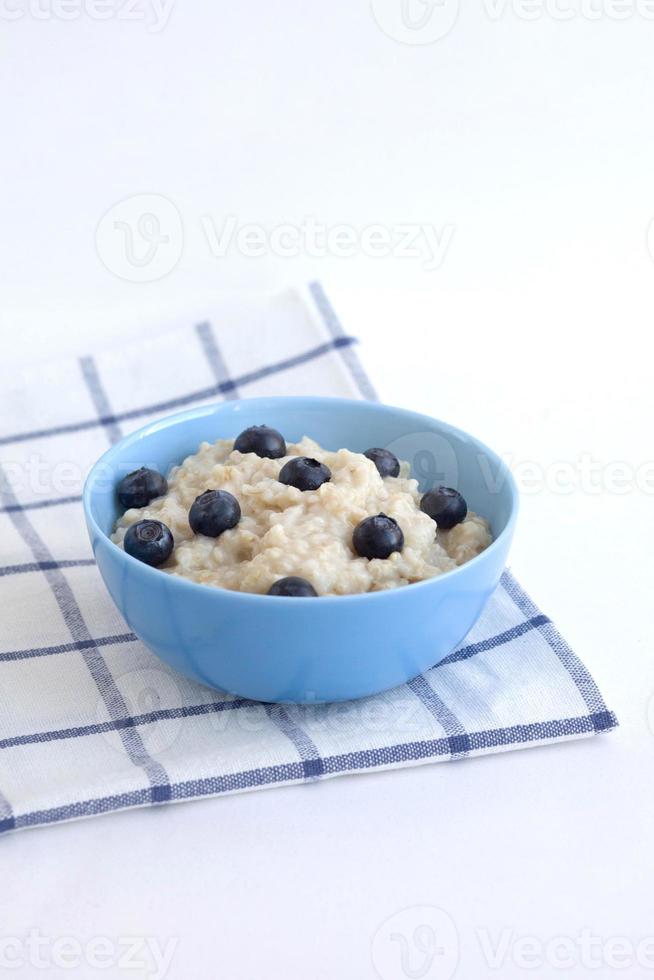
x=91, y=722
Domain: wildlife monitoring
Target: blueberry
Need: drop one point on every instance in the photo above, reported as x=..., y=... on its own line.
x=137, y=489
x=149, y=541
x=260, y=439
x=387, y=464
x=213, y=512
x=445, y=506
x=304, y=473
x=377, y=537
x=292, y=586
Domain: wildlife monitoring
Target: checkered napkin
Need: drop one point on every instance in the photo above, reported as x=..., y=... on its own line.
x=90, y=721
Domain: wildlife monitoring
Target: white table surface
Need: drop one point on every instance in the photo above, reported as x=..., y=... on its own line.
x=532, y=139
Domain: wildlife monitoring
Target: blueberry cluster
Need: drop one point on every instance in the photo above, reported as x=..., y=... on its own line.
x=216, y=511
x=213, y=512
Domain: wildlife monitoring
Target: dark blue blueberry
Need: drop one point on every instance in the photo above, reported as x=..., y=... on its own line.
x=137, y=489
x=260, y=439
x=445, y=506
x=377, y=537
x=149, y=541
x=213, y=512
x=304, y=473
x=387, y=464
x=292, y=586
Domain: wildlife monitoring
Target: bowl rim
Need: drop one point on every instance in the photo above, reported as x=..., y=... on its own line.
x=178, y=581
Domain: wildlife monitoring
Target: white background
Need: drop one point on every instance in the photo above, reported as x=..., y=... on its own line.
x=533, y=140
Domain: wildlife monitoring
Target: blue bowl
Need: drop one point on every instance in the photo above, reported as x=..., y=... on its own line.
x=330, y=648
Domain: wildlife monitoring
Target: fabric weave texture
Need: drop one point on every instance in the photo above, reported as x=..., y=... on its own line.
x=91, y=721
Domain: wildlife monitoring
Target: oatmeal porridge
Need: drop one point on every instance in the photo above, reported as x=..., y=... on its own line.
x=257, y=515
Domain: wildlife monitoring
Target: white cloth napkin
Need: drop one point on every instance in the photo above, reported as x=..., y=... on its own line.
x=90, y=721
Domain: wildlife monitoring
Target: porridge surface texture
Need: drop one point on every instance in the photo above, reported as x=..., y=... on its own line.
x=284, y=531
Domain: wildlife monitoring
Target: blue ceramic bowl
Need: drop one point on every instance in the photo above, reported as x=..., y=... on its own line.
x=331, y=648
